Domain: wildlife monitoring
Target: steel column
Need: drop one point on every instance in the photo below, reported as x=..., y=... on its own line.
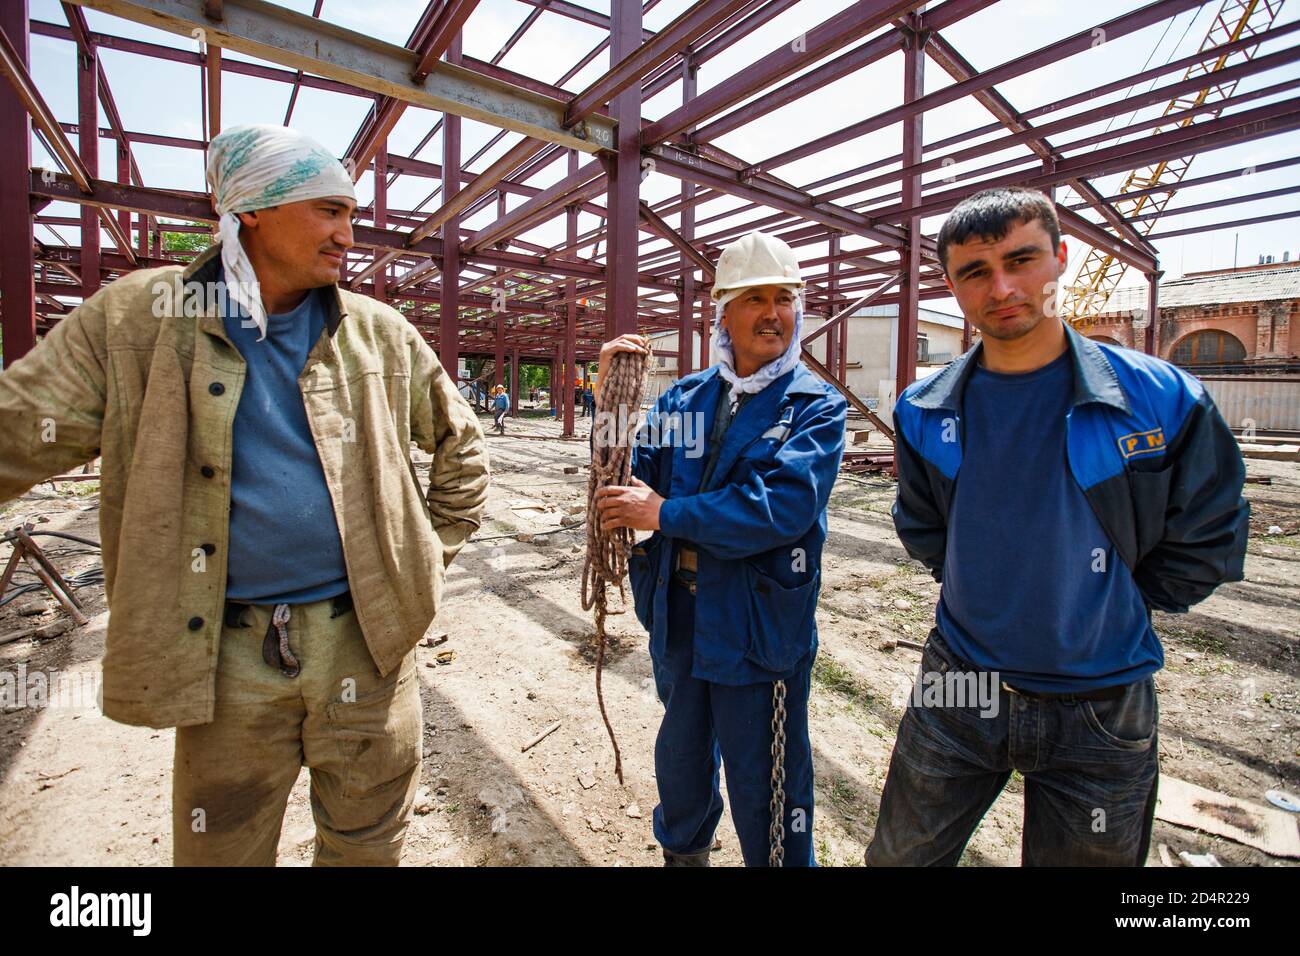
x=499, y=352
x=570, y=349
x=624, y=170
x=514, y=383
x=381, y=215
x=706, y=328
x=17, y=270
x=1149, y=340
x=449, y=306
x=685, y=335
x=909, y=301
x=88, y=151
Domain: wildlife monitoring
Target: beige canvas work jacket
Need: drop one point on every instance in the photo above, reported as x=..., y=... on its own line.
x=147, y=378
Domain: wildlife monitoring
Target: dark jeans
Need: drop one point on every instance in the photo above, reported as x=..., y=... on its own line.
x=707, y=725
x=1089, y=766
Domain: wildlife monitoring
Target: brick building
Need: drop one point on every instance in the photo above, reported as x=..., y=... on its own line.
x=1226, y=319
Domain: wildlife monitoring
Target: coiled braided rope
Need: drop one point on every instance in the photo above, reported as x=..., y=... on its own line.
x=611, y=464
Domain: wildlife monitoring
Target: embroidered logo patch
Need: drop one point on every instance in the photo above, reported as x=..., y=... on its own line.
x=1142, y=443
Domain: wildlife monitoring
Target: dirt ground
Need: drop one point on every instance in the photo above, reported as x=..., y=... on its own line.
x=77, y=789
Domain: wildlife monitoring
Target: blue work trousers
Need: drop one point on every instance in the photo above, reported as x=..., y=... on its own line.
x=707, y=725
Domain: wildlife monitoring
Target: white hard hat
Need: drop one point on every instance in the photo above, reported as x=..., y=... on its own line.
x=754, y=260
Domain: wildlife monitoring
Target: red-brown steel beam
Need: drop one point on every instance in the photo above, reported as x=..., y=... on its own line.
x=1086, y=39
x=683, y=165
x=678, y=241
x=1231, y=224
x=1032, y=136
x=643, y=58
x=1095, y=235
x=177, y=55
x=451, y=18
x=840, y=30
x=1220, y=133
x=297, y=80
x=542, y=206
x=956, y=65
x=482, y=184
x=1238, y=173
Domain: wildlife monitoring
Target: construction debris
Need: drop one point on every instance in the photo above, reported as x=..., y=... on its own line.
x=540, y=737
x=1264, y=828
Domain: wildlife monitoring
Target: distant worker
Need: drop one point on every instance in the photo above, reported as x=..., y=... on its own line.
x=500, y=406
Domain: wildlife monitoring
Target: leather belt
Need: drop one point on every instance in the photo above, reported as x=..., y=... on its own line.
x=1100, y=693
x=687, y=559
x=275, y=645
x=234, y=610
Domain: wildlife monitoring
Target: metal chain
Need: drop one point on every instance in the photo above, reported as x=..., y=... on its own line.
x=776, y=833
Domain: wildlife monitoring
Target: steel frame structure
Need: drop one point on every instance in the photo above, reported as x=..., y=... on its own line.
x=493, y=293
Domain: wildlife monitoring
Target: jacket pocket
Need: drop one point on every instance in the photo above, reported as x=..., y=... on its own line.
x=1150, y=490
x=643, y=573
x=780, y=619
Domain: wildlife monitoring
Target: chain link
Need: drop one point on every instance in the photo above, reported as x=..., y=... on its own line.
x=776, y=832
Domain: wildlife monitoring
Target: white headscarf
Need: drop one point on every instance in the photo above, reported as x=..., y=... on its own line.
x=255, y=167
x=724, y=354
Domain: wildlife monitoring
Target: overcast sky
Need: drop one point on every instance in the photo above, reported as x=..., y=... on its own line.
x=164, y=97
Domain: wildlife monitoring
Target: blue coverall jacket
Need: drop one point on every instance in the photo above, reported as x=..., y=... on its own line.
x=758, y=527
x=1147, y=447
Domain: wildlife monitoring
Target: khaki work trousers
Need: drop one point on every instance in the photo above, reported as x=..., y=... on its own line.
x=359, y=733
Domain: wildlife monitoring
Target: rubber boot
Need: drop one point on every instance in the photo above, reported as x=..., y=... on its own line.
x=686, y=859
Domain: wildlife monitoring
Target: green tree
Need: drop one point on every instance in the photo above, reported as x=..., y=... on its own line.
x=187, y=241
x=533, y=376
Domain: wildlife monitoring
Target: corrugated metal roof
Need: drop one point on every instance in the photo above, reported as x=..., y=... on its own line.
x=1268, y=285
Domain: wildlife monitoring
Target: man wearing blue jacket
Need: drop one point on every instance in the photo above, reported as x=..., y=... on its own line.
x=1059, y=489
x=727, y=585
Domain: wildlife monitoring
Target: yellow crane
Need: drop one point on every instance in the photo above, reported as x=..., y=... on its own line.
x=1100, y=272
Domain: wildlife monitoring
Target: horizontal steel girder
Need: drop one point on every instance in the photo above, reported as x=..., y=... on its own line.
x=304, y=43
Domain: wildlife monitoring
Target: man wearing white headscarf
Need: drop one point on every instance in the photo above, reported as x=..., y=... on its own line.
x=727, y=585
x=269, y=562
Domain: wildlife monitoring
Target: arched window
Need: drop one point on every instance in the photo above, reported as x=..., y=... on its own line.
x=1209, y=347
x=1107, y=339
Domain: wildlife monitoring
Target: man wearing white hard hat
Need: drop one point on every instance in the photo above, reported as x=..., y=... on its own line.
x=727, y=585
x=268, y=560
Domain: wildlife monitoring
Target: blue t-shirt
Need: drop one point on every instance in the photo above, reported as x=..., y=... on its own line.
x=284, y=539
x=1032, y=585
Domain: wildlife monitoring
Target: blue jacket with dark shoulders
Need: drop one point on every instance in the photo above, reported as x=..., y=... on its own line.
x=1144, y=442
x=758, y=526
